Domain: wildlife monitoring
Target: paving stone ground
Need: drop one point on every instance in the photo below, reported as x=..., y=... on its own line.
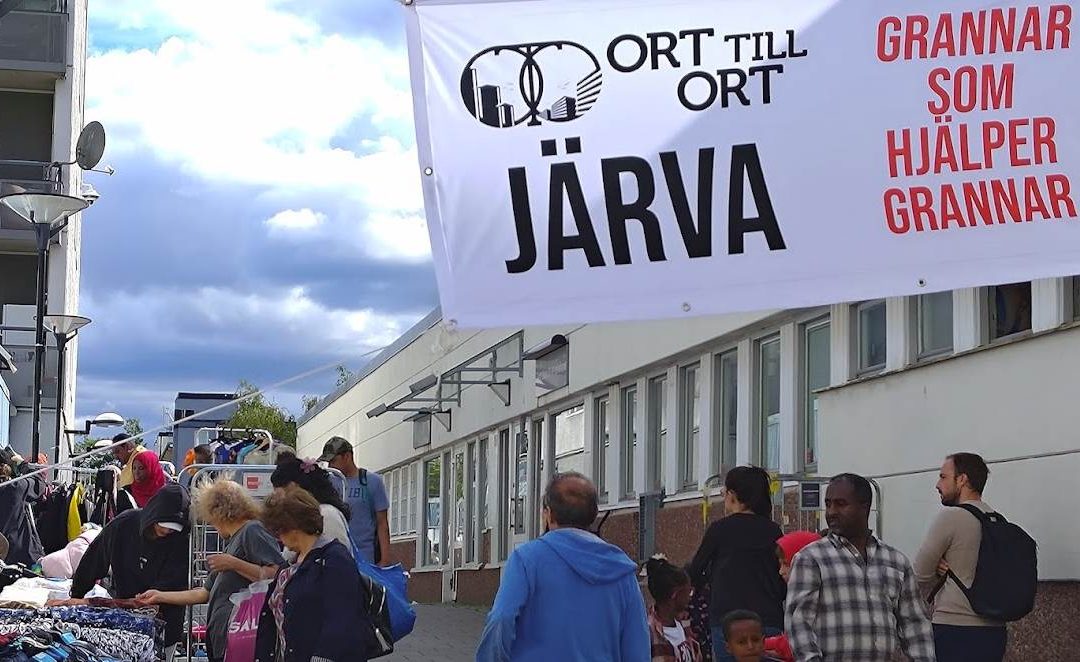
x=443, y=633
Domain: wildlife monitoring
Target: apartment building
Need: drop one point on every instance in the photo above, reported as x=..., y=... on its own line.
x=42, y=90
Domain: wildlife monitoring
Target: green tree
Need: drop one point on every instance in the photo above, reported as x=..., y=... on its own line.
x=258, y=413
x=343, y=375
x=133, y=427
x=309, y=402
x=94, y=461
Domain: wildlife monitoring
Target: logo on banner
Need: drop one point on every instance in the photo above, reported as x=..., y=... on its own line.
x=531, y=84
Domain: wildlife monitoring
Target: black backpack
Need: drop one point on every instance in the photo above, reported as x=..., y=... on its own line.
x=1006, y=575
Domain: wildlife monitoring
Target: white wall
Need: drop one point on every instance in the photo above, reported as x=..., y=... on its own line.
x=598, y=353
x=1000, y=401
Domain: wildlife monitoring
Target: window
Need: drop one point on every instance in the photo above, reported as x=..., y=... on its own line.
x=506, y=493
x=412, y=497
x=602, y=442
x=471, y=492
x=690, y=426
x=657, y=431
x=933, y=315
x=521, y=482
x=769, y=403
x=483, y=486
x=432, y=545
x=870, y=332
x=395, y=502
x=629, y=439
x=458, y=505
x=1010, y=310
x=816, y=360
x=569, y=438
x=727, y=403
x=1075, y=282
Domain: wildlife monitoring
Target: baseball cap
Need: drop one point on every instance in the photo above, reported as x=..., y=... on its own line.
x=336, y=446
x=172, y=526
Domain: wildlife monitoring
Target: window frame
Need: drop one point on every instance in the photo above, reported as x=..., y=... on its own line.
x=922, y=354
x=628, y=441
x=806, y=394
x=761, y=446
x=426, y=550
x=990, y=298
x=601, y=440
x=689, y=404
x=857, y=309
x=555, y=414
x=656, y=431
x=719, y=441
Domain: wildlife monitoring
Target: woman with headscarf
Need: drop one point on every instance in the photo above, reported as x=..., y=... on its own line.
x=148, y=476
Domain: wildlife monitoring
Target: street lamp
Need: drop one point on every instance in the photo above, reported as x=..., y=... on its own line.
x=104, y=420
x=64, y=328
x=48, y=213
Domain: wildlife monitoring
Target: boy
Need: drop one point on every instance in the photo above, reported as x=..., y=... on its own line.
x=744, y=636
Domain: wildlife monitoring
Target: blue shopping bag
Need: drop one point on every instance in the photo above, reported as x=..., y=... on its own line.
x=393, y=579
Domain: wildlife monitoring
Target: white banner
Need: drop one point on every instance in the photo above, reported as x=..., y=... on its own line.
x=588, y=160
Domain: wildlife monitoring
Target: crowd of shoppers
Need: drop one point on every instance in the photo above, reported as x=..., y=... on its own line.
x=842, y=594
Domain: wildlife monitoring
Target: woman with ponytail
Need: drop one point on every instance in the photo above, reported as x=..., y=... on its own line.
x=737, y=558
x=672, y=641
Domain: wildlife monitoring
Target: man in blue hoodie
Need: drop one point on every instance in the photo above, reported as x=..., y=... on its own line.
x=568, y=596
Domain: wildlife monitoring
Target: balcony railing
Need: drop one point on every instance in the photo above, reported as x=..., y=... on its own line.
x=33, y=37
x=26, y=177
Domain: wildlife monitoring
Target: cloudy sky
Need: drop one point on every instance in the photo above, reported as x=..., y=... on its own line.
x=265, y=215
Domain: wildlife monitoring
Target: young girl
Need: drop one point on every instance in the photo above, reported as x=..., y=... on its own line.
x=671, y=640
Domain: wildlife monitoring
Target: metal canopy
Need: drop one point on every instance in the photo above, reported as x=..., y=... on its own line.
x=492, y=368
x=418, y=403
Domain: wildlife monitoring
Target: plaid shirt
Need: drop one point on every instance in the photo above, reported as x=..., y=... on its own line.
x=843, y=608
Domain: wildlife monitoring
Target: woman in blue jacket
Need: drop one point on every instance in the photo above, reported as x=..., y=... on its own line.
x=314, y=610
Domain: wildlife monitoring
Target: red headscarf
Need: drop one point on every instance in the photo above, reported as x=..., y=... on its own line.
x=793, y=542
x=153, y=480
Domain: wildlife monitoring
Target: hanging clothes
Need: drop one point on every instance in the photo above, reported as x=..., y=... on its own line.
x=16, y=519
x=104, y=508
x=51, y=518
x=75, y=512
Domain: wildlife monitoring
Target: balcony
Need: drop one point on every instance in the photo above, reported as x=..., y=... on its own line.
x=33, y=37
x=23, y=177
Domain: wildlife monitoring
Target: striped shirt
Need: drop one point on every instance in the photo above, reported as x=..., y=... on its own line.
x=845, y=608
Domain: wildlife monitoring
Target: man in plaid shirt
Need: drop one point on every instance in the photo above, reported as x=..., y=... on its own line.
x=851, y=597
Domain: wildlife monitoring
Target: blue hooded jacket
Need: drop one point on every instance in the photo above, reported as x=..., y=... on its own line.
x=568, y=596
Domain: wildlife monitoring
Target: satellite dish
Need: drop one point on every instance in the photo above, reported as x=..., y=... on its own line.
x=91, y=146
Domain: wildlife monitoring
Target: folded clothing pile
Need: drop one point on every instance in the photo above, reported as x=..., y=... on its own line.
x=104, y=633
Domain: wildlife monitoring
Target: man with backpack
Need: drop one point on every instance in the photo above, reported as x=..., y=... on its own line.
x=975, y=568
x=366, y=496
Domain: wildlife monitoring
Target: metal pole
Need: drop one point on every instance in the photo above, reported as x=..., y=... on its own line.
x=42, y=232
x=61, y=346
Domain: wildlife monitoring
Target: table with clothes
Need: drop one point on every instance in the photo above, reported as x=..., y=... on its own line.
x=36, y=617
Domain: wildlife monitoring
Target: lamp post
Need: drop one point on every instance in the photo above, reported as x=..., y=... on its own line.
x=48, y=213
x=64, y=328
x=104, y=420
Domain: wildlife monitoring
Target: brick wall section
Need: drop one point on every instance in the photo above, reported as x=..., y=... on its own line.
x=426, y=587
x=1052, y=631
x=478, y=587
x=403, y=552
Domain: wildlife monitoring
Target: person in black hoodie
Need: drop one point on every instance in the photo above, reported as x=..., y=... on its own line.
x=24, y=546
x=147, y=549
x=737, y=557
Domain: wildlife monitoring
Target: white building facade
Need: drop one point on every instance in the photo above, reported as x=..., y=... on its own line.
x=881, y=388
x=42, y=93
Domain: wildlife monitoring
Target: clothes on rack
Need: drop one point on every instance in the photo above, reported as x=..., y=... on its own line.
x=62, y=563
x=16, y=519
x=104, y=502
x=76, y=511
